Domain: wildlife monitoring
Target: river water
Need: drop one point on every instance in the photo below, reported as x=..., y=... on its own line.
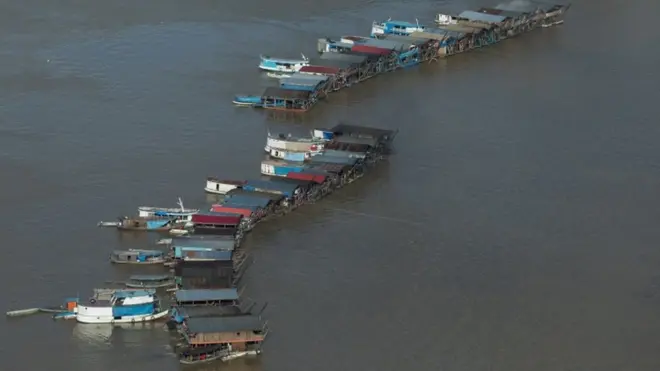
x=514, y=228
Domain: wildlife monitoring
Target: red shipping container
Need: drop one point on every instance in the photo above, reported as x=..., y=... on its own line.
x=322, y=70
x=231, y=210
x=370, y=50
x=212, y=218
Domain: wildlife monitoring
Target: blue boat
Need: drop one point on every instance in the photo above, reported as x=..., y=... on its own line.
x=395, y=27
x=247, y=100
x=269, y=63
x=138, y=256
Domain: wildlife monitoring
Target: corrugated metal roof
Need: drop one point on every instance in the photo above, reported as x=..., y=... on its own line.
x=344, y=57
x=324, y=158
x=407, y=40
x=256, y=194
x=344, y=130
x=302, y=82
x=385, y=44
x=457, y=28
x=285, y=93
x=481, y=17
x=333, y=63
x=248, y=201
x=239, y=205
x=353, y=140
x=429, y=35
x=206, y=295
x=306, y=76
x=286, y=188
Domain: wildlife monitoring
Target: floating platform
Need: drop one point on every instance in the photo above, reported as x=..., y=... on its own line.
x=392, y=45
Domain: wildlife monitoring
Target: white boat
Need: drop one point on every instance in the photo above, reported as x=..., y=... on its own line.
x=123, y=306
x=390, y=27
x=221, y=186
x=178, y=213
x=277, y=75
x=269, y=63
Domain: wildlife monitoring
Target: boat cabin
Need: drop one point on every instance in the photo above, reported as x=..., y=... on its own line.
x=210, y=222
x=180, y=314
x=242, y=332
x=269, y=63
x=221, y=186
x=395, y=27
x=135, y=256
x=228, y=296
x=150, y=281
x=204, y=274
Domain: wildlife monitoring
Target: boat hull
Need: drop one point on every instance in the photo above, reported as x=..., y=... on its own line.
x=148, y=262
x=129, y=319
x=224, y=356
x=219, y=189
x=135, y=285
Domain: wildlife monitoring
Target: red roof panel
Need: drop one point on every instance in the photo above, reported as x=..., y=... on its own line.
x=370, y=49
x=320, y=70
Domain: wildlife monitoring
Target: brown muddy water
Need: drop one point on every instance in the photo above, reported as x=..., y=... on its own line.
x=515, y=227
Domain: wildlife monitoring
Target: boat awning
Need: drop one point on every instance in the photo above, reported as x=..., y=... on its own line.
x=206, y=295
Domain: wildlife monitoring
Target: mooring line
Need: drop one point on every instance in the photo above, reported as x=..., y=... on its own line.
x=377, y=216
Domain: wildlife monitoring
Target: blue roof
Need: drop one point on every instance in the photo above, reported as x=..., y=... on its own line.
x=206, y=295
x=149, y=277
x=249, y=200
x=481, y=17
x=239, y=204
x=286, y=189
x=133, y=293
x=299, y=81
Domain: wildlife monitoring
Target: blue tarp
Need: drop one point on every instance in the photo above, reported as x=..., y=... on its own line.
x=132, y=310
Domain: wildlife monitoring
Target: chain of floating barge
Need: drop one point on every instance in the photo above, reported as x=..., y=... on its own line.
x=393, y=45
x=205, y=255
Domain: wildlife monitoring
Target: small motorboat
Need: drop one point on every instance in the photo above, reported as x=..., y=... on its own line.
x=269, y=63
x=247, y=100
x=137, y=256
x=150, y=281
